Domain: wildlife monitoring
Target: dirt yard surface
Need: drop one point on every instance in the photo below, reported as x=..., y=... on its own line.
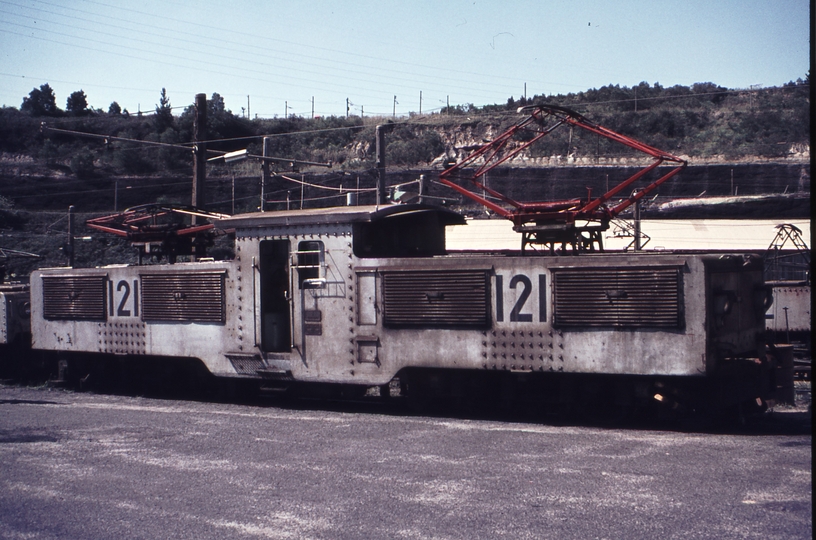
x=96, y=466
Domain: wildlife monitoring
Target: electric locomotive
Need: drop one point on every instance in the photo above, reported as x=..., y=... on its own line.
x=359, y=296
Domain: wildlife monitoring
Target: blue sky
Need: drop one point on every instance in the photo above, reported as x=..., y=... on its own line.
x=284, y=54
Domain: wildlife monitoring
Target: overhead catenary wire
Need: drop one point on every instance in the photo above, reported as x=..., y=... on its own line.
x=328, y=188
x=398, y=75
x=84, y=192
x=188, y=145
x=113, y=138
x=244, y=73
x=445, y=73
x=158, y=22
x=442, y=71
x=311, y=199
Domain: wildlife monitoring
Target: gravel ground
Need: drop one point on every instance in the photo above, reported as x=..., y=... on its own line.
x=80, y=465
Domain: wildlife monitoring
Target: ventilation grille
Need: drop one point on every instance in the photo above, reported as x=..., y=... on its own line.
x=436, y=298
x=189, y=297
x=618, y=297
x=76, y=298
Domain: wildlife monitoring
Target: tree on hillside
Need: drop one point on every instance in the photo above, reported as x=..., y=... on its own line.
x=221, y=123
x=114, y=109
x=164, y=113
x=82, y=163
x=77, y=103
x=216, y=107
x=41, y=102
x=713, y=92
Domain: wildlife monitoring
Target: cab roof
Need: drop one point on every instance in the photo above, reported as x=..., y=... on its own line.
x=339, y=214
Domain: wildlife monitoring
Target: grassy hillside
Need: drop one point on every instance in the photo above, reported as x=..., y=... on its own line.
x=703, y=121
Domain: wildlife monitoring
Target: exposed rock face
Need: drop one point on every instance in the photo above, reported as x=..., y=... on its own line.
x=23, y=181
x=567, y=182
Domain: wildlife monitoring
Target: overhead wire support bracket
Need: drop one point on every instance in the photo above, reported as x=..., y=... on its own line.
x=229, y=157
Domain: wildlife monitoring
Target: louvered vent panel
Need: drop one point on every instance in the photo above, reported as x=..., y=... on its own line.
x=618, y=297
x=457, y=298
x=193, y=297
x=74, y=298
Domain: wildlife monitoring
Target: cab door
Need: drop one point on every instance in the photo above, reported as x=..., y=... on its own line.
x=276, y=309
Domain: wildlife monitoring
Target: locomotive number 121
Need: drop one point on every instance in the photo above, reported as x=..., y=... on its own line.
x=523, y=288
x=123, y=298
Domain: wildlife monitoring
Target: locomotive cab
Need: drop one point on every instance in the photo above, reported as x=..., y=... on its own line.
x=309, y=295
x=418, y=232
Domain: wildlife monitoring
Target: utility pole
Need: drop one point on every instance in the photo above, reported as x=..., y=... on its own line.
x=199, y=150
x=265, y=174
x=312, y=106
x=248, y=113
x=379, y=133
x=420, y=102
x=71, y=236
x=395, y=107
x=199, y=162
x=347, y=107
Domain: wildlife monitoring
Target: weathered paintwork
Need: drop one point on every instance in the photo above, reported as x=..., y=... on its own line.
x=122, y=330
x=302, y=301
x=791, y=308
x=14, y=312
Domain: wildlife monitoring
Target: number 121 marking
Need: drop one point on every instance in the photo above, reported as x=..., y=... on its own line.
x=525, y=286
x=125, y=299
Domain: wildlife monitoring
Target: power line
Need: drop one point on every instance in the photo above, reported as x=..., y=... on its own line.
x=328, y=188
x=396, y=74
x=312, y=83
x=254, y=38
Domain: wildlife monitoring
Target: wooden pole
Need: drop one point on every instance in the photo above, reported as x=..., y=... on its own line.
x=200, y=151
x=264, y=174
x=379, y=132
x=199, y=162
x=71, y=236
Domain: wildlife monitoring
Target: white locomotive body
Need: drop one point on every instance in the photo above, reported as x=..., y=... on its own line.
x=358, y=295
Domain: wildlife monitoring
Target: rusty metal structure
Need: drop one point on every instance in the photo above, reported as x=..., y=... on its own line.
x=790, y=265
x=160, y=229
x=787, y=271
x=573, y=223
